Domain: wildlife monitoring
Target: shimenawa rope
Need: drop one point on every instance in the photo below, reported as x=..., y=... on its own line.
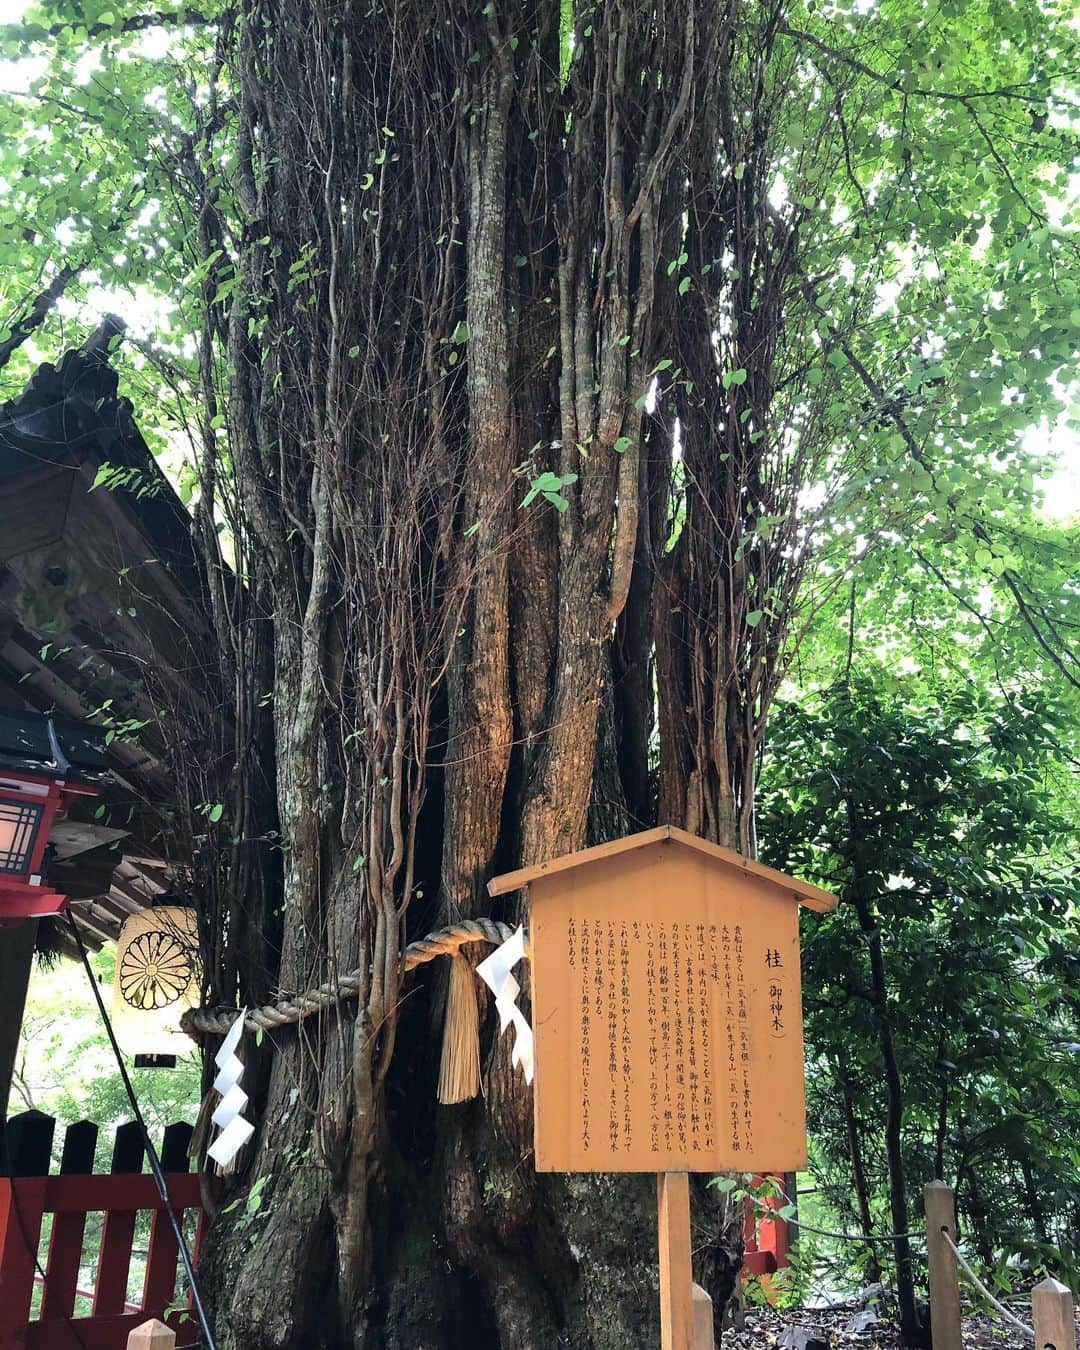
x=459, y=1068
x=442, y=942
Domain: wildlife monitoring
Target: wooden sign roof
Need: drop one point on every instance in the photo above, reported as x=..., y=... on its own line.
x=813, y=897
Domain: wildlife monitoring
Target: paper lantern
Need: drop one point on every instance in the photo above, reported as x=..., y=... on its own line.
x=157, y=980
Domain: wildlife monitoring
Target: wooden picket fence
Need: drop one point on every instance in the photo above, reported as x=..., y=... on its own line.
x=1052, y=1307
x=28, y=1193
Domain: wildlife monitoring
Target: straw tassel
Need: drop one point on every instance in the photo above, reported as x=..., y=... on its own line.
x=459, y=1070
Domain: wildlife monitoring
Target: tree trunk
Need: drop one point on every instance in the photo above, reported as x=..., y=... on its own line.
x=858, y=1170
x=439, y=303
x=913, y=1332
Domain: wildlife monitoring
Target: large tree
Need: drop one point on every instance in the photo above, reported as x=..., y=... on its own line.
x=549, y=366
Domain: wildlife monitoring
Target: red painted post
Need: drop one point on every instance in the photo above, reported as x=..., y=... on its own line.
x=62, y=1267
x=161, y=1262
x=775, y=1233
x=21, y=1207
x=65, y=1244
x=110, y=1292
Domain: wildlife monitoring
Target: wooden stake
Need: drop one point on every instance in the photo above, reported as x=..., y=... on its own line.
x=152, y=1335
x=1055, y=1316
x=944, y=1282
x=676, y=1281
x=704, y=1321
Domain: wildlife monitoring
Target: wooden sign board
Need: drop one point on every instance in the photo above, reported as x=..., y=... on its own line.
x=667, y=1009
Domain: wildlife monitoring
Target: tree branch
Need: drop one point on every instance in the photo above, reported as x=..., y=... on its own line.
x=136, y=23
x=39, y=312
x=1029, y=613
x=1014, y=91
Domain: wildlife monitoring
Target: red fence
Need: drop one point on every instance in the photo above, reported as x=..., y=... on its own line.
x=28, y=1194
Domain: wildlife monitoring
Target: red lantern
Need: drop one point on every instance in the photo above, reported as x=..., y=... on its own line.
x=29, y=807
x=30, y=804
x=45, y=762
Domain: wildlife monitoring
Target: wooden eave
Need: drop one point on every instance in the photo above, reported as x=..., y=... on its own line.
x=813, y=897
x=109, y=580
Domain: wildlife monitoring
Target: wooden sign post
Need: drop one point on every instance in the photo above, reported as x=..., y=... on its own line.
x=667, y=1015
x=676, y=1276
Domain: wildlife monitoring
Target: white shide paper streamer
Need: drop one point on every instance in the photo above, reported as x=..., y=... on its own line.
x=495, y=972
x=228, y=1114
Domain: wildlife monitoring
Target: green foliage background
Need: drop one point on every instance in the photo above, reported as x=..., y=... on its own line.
x=935, y=685
x=66, y=1067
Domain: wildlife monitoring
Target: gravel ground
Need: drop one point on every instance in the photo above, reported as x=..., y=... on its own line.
x=833, y=1328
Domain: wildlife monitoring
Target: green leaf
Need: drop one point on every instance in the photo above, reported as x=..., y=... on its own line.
x=623, y=444
x=754, y=618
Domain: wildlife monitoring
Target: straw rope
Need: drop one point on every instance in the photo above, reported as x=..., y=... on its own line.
x=287, y=1011
x=996, y=1304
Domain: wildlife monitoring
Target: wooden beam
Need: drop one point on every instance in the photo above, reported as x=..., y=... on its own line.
x=129, y=898
x=16, y=963
x=676, y=1280
x=104, y=929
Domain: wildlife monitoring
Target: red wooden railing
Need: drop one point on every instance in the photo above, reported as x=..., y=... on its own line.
x=766, y=1241
x=28, y=1193
x=88, y=1294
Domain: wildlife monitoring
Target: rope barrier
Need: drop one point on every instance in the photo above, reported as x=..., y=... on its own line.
x=288, y=1011
x=849, y=1237
x=999, y=1307
x=765, y=1212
